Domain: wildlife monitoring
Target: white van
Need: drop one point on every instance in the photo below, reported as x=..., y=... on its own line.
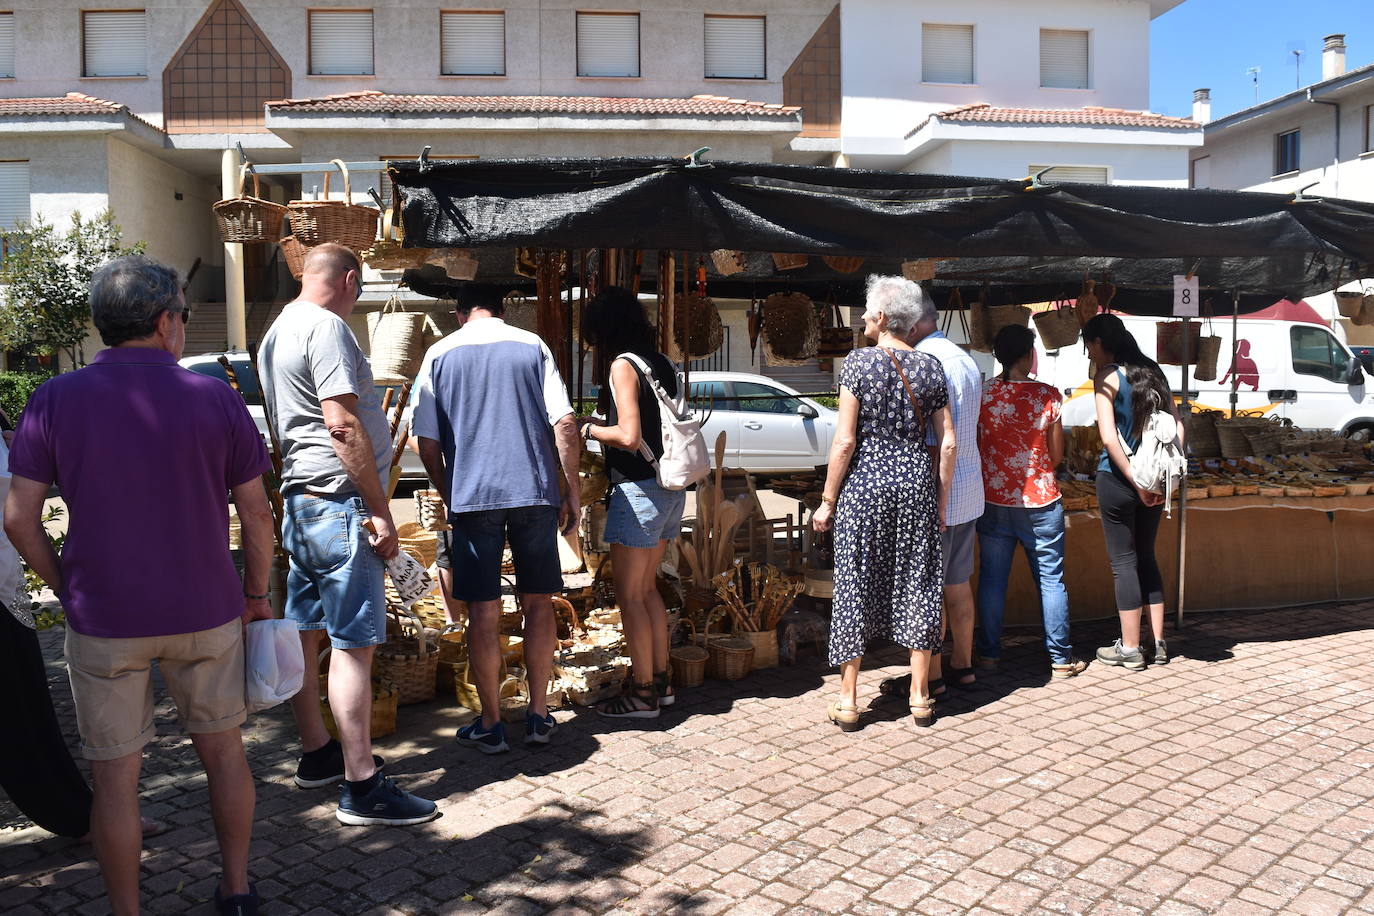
x=1292, y=369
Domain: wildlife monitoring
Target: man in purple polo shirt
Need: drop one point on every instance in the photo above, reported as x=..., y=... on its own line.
x=143, y=453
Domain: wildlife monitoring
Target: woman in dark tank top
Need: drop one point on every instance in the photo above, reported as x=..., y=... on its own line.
x=642, y=517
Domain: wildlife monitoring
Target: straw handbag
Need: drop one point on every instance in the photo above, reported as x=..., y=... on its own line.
x=842, y=265
x=314, y=222
x=1366, y=316
x=1348, y=303
x=688, y=661
x=836, y=339
x=390, y=253
x=1208, y=352
x=789, y=261
x=728, y=262
x=698, y=320
x=1169, y=341
x=1058, y=327
x=408, y=662
x=997, y=317
x=790, y=332
x=249, y=219
x=398, y=342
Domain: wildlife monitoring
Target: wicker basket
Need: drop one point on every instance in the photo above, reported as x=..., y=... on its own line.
x=314, y=222
x=407, y=662
x=1208, y=351
x=919, y=270
x=790, y=332
x=398, y=342
x=997, y=317
x=728, y=262
x=837, y=338
x=689, y=661
x=1231, y=436
x=698, y=320
x=592, y=471
x=385, y=699
x=1169, y=341
x=765, y=648
x=453, y=644
x=431, y=511
x=1058, y=327
x=1202, y=433
x=294, y=253
x=419, y=542
x=790, y=261
x=842, y=265
x=729, y=658
x=1347, y=303
x=390, y=253
x=590, y=674
x=1266, y=438
x=249, y=219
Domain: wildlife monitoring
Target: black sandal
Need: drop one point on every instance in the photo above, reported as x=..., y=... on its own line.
x=895, y=686
x=639, y=702
x=956, y=676
x=666, y=695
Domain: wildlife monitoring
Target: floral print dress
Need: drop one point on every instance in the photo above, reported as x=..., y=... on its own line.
x=889, y=570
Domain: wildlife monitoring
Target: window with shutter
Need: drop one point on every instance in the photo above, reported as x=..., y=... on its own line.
x=6, y=45
x=1064, y=59
x=1073, y=174
x=1287, y=151
x=946, y=53
x=1369, y=128
x=472, y=44
x=115, y=43
x=608, y=44
x=736, y=47
x=14, y=194
x=341, y=43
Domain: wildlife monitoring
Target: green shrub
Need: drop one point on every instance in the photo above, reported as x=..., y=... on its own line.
x=15, y=389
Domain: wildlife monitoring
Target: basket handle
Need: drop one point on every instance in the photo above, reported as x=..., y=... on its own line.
x=348, y=189
x=397, y=610
x=243, y=175
x=559, y=602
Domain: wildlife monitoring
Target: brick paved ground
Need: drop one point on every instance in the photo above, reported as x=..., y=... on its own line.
x=1236, y=780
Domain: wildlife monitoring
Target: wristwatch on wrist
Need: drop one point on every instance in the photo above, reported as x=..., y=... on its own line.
x=587, y=432
x=255, y=597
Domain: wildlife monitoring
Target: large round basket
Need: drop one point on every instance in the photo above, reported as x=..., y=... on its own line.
x=698, y=320
x=689, y=661
x=419, y=542
x=791, y=331
x=765, y=648
x=249, y=219
x=409, y=663
x=1058, y=327
x=1202, y=433
x=314, y=222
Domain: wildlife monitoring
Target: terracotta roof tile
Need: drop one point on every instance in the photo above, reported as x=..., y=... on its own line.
x=73, y=103
x=374, y=102
x=1092, y=115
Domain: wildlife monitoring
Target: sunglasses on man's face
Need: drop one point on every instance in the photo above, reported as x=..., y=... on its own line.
x=185, y=313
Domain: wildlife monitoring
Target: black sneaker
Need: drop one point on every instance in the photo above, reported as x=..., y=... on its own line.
x=538, y=728
x=488, y=741
x=238, y=904
x=1115, y=655
x=324, y=766
x=1161, y=653
x=386, y=804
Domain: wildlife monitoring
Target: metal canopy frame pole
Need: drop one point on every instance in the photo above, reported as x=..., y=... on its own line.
x=1183, y=490
x=1235, y=344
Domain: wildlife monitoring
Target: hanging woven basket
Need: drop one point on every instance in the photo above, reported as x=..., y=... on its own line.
x=249, y=219
x=1208, y=352
x=314, y=222
x=790, y=332
x=457, y=263
x=698, y=319
x=789, y=261
x=837, y=338
x=997, y=317
x=1348, y=303
x=728, y=262
x=397, y=341
x=1169, y=341
x=294, y=253
x=842, y=265
x=1058, y=327
x=390, y=253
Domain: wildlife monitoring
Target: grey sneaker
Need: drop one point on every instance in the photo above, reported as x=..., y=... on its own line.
x=1161, y=653
x=1115, y=655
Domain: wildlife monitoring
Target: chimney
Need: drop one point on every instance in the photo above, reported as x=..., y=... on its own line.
x=1202, y=105
x=1333, y=56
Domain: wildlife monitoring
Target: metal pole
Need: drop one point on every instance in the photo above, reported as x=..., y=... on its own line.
x=1183, y=490
x=1235, y=343
x=235, y=308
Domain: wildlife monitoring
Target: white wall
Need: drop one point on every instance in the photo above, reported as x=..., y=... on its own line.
x=66, y=174
x=142, y=191
x=540, y=48
x=1154, y=166
x=884, y=97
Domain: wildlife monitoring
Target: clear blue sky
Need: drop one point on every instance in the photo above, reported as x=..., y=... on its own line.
x=1212, y=43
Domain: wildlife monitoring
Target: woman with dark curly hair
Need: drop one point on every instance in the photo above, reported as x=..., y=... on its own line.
x=642, y=516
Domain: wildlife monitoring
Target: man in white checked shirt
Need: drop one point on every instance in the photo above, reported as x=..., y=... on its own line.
x=965, y=385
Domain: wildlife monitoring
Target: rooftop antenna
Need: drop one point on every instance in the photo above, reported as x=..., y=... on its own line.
x=1254, y=73
x=1297, y=49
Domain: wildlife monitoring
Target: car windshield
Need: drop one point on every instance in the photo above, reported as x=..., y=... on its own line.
x=243, y=371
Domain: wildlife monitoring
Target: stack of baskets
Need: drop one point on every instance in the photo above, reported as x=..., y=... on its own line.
x=1232, y=438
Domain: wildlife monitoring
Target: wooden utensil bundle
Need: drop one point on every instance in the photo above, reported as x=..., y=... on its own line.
x=711, y=548
x=769, y=592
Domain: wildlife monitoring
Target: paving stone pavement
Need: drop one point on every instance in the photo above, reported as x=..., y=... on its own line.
x=1235, y=780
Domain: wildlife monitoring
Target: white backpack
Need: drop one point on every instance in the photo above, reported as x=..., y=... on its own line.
x=685, y=458
x=1158, y=463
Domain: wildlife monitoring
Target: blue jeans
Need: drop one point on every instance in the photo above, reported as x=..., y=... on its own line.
x=1041, y=533
x=336, y=583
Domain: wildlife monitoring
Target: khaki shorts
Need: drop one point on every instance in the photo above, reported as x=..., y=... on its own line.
x=112, y=685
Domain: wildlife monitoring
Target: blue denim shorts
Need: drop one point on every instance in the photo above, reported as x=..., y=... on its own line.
x=642, y=513
x=337, y=583
x=478, y=540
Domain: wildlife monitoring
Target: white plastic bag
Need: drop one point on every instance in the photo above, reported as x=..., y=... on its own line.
x=273, y=663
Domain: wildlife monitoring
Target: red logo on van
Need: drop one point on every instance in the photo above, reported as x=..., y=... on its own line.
x=1243, y=368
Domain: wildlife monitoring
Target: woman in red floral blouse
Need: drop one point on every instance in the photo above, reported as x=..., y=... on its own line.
x=1021, y=441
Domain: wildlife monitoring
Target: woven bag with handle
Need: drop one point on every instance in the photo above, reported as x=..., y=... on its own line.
x=314, y=222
